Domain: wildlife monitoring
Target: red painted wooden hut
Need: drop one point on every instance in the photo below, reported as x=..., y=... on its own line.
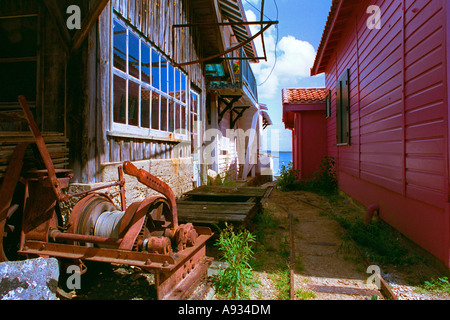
x=304, y=114
x=386, y=65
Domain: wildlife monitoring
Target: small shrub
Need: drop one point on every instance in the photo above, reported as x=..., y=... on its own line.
x=323, y=182
x=288, y=179
x=234, y=281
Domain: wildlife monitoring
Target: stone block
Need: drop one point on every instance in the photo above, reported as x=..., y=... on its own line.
x=33, y=279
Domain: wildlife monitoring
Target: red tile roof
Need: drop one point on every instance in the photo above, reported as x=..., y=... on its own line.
x=304, y=95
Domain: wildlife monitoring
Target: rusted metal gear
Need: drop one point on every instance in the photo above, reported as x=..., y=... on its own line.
x=185, y=236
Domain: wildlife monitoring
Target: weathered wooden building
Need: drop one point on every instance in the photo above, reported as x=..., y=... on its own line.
x=134, y=81
x=386, y=67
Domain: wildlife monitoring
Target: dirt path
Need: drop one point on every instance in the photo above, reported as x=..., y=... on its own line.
x=324, y=268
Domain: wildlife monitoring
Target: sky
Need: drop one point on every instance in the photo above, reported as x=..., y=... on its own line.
x=291, y=48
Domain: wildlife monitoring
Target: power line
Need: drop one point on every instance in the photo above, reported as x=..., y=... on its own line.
x=276, y=44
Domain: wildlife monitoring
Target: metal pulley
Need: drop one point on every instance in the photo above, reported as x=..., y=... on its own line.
x=97, y=216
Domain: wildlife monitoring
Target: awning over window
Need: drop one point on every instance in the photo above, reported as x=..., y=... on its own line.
x=234, y=12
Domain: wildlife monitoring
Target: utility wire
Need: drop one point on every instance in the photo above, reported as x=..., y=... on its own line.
x=276, y=45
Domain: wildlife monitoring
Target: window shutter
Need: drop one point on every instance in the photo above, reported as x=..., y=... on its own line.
x=328, y=104
x=338, y=112
x=345, y=107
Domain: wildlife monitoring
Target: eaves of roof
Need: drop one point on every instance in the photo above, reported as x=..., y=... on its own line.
x=340, y=13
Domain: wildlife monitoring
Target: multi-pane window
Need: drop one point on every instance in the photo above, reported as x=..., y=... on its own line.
x=149, y=94
x=18, y=59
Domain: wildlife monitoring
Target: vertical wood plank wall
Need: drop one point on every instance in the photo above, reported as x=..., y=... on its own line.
x=154, y=19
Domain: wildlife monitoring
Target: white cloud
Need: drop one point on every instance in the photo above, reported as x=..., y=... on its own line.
x=293, y=60
x=254, y=2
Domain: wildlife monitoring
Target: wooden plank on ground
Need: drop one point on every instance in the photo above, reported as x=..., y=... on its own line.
x=220, y=191
x=215, y=212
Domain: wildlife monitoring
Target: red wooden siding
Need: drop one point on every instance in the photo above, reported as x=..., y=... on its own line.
x=399, y=114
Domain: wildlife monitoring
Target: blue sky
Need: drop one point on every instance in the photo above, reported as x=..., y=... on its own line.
x=295, y=41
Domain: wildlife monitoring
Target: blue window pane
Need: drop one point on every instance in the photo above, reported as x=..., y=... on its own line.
x=171, y=80
x=177, y=84
x=133, y=55
x=145, y=63
x=163, y=75
x=183, y=88
x=155, y=70
x=120, y=46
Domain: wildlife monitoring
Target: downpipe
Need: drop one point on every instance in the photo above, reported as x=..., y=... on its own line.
x=371, y=210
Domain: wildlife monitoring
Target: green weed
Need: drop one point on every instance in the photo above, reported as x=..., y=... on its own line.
x=439, y=285
x=303, y=294
x=235, y=281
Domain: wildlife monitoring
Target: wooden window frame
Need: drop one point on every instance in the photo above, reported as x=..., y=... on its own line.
x=175, y=99
x=343, y=110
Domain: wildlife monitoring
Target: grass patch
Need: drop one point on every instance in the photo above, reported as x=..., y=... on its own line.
x=438, y=286
x=282, y=279
x=272, y=251
x=376, y=241
x=303, y=294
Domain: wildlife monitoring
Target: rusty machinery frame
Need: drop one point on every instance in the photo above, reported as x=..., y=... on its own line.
x=144, y=234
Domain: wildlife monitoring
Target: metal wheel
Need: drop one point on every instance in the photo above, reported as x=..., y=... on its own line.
x=10, y=235
x=86, y=214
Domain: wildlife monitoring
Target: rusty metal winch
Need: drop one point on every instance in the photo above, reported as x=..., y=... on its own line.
x=144, y=234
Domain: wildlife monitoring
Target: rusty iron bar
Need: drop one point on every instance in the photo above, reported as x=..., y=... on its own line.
x=207, y=24
x=57, y=235
x=156, y=184
x=262, y=26
x=42, y=150
x=117, y=183
x=123, y=200
x=240, y=45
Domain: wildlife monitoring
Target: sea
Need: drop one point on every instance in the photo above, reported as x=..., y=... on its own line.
x=279, y=158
